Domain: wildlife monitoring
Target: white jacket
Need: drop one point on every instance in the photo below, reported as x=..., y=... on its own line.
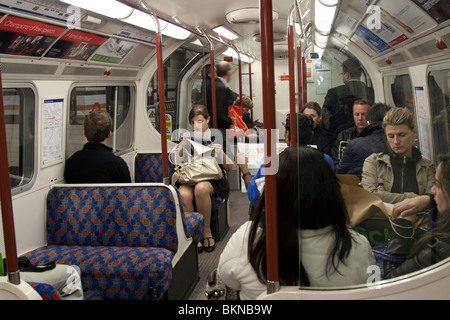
x=237, y=273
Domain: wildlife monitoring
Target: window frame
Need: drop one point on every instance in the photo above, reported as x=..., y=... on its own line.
x=20, y=188
x=133, y=91
x=440, y=66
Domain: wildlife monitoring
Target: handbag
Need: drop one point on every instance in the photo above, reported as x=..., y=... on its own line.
x=197, y=168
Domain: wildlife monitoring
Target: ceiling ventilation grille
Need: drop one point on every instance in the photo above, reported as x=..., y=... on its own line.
x=246, y=15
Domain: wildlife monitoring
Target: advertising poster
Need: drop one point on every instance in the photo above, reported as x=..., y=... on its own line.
x=369, y=41
x=113, y=51
x=439, y=10
x=75, y=45
x=424, y=137
x=404, y=17
x=25, y=37
x=388, y=32
x=52, y=131
x=55, y=10
x=409, y=18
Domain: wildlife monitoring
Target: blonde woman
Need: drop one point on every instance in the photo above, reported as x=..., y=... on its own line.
x=401, y=172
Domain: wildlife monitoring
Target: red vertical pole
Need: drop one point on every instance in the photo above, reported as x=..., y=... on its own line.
x=162, y=106
x=293, y=118
x=305, y=83
x=6, y=201
x=213, y=87
x=268, y=86
x=240, y=80
x=250, y=89
x=300, y=78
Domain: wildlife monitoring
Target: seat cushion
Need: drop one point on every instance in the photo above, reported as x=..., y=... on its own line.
x=119, y=272
x=217, y=203
x=46, y=291
x=194, y=225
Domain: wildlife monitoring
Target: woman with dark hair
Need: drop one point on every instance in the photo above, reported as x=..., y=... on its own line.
x=434, y=245
x=312, y=220
x=198, y=196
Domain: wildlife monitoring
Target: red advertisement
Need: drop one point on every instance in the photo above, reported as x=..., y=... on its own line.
x=76, y=45
x=25, y=37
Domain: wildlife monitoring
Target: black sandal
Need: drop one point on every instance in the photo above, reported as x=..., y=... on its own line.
x=201, y=248
x=208, y=248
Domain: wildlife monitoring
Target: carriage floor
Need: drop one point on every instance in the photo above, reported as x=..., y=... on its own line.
x=208, y=261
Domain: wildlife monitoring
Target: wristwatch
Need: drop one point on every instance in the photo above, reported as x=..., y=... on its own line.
x=246, y=174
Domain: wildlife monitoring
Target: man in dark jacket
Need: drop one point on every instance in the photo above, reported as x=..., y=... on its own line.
x=224, y=95
x=370, y=140
x=96, y=163
x=337, y=111
x=360, y=108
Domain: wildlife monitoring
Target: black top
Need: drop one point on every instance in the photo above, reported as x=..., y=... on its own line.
x=224, y=98
x=96, y=163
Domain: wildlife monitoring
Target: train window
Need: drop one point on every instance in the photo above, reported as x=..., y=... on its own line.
x=400, y=87
x=439, y=91
x=117, y=100
x=19, y=108
x=174, y=67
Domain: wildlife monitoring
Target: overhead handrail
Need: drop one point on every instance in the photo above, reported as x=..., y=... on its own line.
x=6, y=201
x=268, y=86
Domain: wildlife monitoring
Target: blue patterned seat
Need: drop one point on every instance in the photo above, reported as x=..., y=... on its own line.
x=46, y=291
x=123, y=238
x=148, y=168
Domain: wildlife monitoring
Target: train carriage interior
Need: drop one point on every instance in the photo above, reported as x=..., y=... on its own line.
x=143, y=62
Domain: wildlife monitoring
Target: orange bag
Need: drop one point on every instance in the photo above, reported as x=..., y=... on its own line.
x=239, y=128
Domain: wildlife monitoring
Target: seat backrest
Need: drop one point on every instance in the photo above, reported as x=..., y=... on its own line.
x=148, y=167
x=111, y=215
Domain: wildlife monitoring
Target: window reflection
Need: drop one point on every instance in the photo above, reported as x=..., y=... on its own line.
x=438, y=84
x=174, y=68
x=117, y=100
x=20, y=134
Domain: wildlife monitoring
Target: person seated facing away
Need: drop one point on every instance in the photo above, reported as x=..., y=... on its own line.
x=96, y=163
x=360, y=109
x=198, y=197
x=304, y=134
x=322, y=139
x=434, y=245
x=371, y=139
x=312, y=220
x=401, y=172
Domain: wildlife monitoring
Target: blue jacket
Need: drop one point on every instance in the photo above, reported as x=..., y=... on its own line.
x=370, y=140
x=258, y=179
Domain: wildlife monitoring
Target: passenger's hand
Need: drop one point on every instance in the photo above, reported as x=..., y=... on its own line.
x=241, y=160
x=410, y=206
x=380, y=188
x=217, y=149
